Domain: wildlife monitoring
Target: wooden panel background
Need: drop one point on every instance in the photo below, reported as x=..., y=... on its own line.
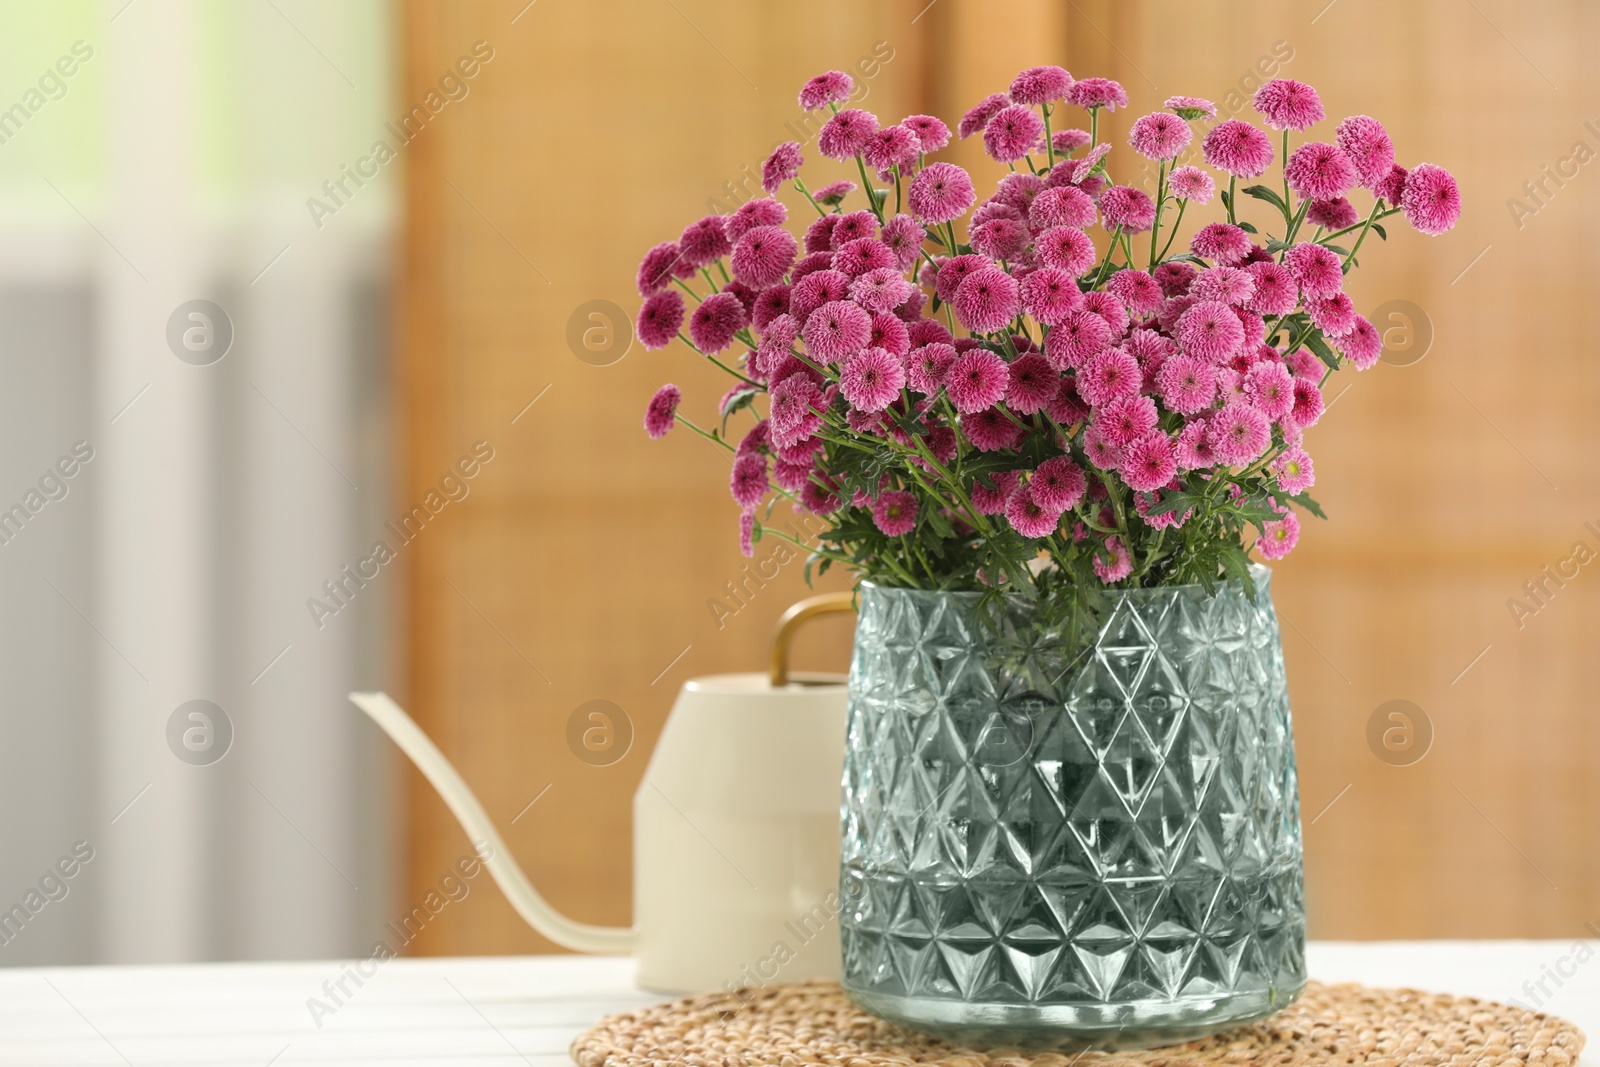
x=582, y=564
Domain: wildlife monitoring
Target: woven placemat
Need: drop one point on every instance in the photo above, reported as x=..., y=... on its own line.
x=811, y=1023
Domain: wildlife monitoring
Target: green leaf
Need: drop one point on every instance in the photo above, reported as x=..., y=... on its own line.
x=1261, y=192
x=1276, y=245
x=1338, y=249
x=1380, y=231
x=1305, y=501
x=1227, y=201
x=736, y=402
x=1246, y=227
x=1319, y=346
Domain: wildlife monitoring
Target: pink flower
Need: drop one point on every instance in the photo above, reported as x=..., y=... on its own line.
x=928, y=366
x=1080, y=336
x=705, y=241
x=660, y=319
x=1193, y=450
x=834, y=87
x=1111, y=374
x=1148, y=462
x=1275, y=291
x=1303, y=363
x=1432, y=202
x=999, y=239
x=837, y=330
x=1040, y=85
x=1391, y=187
x=940, y=192
x=1191, y=107
x=881, y=290
x=1308, y=405
x=1362, y=345
x=819, y=235
x=1028, y=516
x=1101, y=452
x=855, y=258
x=986, y=300
x=1031, y=384
x=895, y=512
x=871, y=380
x=816, y=289
x=1279, y=537
x=1126, y=419
x=1210, y=331
x=1238, y=148
x=1335, y=316
x=926, y=332
x=1191, y=183
x=662, y=411
x=1065, y=248
x=847, y=133
x=1333, y=214
x=1058, y=484
x=1127, y=207
x=1065, y=142
x=1109, y=308
x=1011, y=133
x=1064, y=205
x=853, y=227
x=747, y=533
x=1229, y=285
x=990, y=430
x=1137, y=291
x=770, y=303
x=1319, y=171
x=833, y=193
x=818, y=500
x=763, y=256
x=976, y=380
x=715, y=321
x=762, y=211
x=659, y=266
x=1115, y=565
x=1316, y=268
x=890, y=146
x=1288, y=105
x=954, y=271
x=794, y=410
x=1097, y=92
x=1238, y=434
x=1270, y=389
x=1187, y=384
x=756, y=439
x=889, y=334
x=975, y=120
x=1160, y=135
x=748, y=481
x=782, y=166
x=1223, y=242
x=904, y=238
x=1364, y=140
x=1295, y=472
x=989, y=501
x=931, y=133
x=1049, y=294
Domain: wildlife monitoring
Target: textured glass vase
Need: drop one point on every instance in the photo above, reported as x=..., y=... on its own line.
x=1071, y=835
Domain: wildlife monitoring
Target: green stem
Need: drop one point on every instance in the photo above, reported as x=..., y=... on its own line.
x=1161, y=201
x=1371, y=216
x=1233, y=198
x=748, y=381
x=1049, y=145
x=800, y=185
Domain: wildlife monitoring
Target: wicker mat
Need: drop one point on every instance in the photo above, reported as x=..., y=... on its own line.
x=811, y=1023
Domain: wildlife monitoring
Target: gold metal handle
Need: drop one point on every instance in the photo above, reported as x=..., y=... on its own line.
x=789, y=622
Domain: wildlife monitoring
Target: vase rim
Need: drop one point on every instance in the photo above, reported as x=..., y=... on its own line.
x=1260, y=572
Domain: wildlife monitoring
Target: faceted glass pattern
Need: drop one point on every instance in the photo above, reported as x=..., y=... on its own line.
x=1050, y=843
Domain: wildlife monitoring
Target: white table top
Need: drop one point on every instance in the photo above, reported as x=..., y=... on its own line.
x=524, y=1011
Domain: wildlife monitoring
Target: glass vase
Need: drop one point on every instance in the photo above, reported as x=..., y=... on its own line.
x=1071, y=826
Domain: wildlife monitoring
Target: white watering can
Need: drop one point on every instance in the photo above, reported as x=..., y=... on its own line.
x=736, y=829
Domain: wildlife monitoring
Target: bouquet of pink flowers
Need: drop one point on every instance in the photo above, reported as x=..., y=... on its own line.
x=1018, y=403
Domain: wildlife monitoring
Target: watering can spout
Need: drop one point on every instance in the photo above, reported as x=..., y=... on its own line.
x=534, y=909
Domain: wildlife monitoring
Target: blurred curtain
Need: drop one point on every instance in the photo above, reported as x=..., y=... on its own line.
x=176, y=164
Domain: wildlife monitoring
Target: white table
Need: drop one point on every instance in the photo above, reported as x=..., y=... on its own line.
x=523, y=1011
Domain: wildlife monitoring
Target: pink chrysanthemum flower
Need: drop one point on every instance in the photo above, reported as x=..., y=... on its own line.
x=1230, y=386
x=1160, y=135
x=1172, y=309
x=795, y=410
x=1065, y=248
x=1303, y=363
x=1109, y=308
x=1335, y=316
x=926, y=332
x=816, y=289
x=1294, y=471
x=792, y=476
x=832, y=194
x=1011, y=133
x=940, y=192
x=855, y=258
x=890, y=146
x=762, y=211
x=1187, y=384
x=895, y=512
x=1049, y=294
x=1279, y=536
x=1148, y=463
x=847, y=133
x=1127, y=207
x=1031, y=384
x=1362, y=345
x=882, y=289
x=975, y=120
x=871, y=380
x=818, y=500
x=954, y=271
x=1308, y=406
x=715, y=321
x=1065, y=205
x=1193, y=449
x=1210, y=331
x=1137, y=291
x=1191, y=107
x=1111, y=374
x=1431, y=201
x=992, y=501
x=1125, y=419
x=890, y=334
x=659, y=266
x=1029, y=516
x=1364, y=140
x=1101, y=452
x=904, y=238
x=1115, y=565
x=1320, y=171
x=769, y=304
x=1287, y=104
x=1238, y=148
x=1058, y=484
x=1068, y=141
x=705, y=241
x=1040, y=85
x=1097, y=92
x=1003, y=239
x=763, y=256
x=1174, y=278
x=990, y=430
x=1227, y=285
x=1079, y=337
x=976, y=380
x=747, y=532
x=928, y=365
x=837, y=330
x=782, y=166
x=931, y=133
x=756, y=440
x=1192, y=184
x=1317, y=269
x=819, y=235
x=986, y=300
x=1222, y=242
x=662, y=411
x=1392, y=186
x=1238, y=434
x=660, y=319
x=748, y=480
x=833, y=87
x=1269, y=388
x=1333, y=214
